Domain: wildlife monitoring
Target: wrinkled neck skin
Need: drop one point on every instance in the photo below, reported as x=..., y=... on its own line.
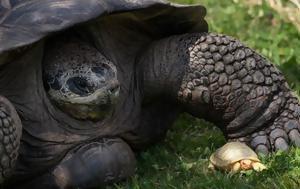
x=163, y=67
x=185, y=70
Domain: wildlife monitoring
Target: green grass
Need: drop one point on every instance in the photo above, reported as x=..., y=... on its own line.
x=181, y=161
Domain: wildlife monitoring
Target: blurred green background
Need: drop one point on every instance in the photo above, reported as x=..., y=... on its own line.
x=181, y=161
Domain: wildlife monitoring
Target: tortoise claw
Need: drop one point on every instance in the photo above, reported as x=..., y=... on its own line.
x=294, y=136
x=281, y=144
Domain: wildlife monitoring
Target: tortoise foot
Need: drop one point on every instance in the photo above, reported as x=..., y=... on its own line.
x=91, y=165
x=10, y=134
x=257, y=166
x=283, y=132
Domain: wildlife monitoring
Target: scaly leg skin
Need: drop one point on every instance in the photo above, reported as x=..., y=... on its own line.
x=10, y=135
x=244, y=94
x=217, y=78
x=91, y=165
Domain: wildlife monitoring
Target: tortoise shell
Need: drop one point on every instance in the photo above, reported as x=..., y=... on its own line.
x=232, y=152
x=25, y=22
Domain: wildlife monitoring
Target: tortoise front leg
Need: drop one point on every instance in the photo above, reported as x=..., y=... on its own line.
x=10, y=135
x=216, y=77
x=246, y=96
x=236, y=167
x=89, y=165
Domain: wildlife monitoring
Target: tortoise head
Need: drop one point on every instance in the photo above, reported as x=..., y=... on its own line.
x=79, y=79
x=246, y=164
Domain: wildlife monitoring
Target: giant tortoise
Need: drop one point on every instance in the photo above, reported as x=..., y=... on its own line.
x=85, y=84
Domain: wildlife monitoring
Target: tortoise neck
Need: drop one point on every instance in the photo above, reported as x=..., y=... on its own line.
x=162, y=69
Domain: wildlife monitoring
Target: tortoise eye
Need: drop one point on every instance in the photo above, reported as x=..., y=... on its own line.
x=79, y=85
